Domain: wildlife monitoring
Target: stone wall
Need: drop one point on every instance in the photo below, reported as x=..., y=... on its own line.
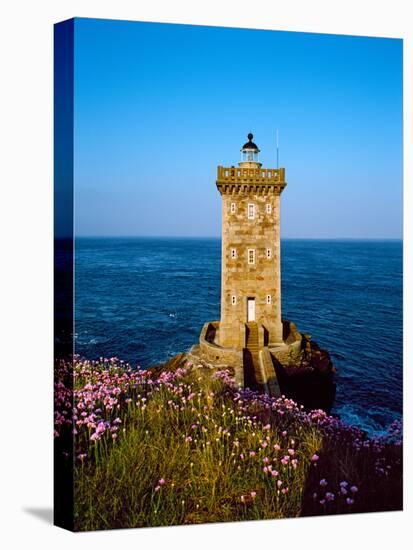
x=242, y=279
x=272, y=386
x=290, y=351
x=216, y=353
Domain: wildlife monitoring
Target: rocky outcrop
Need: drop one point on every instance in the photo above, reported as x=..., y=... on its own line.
x=176, y=362
x=305, y=372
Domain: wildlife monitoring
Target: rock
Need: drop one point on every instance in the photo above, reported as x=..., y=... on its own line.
x=308, y=378
x=176, y=362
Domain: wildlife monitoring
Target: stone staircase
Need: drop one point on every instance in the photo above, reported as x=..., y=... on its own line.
x=252, y=337
x=252, y=357
x=259, y=372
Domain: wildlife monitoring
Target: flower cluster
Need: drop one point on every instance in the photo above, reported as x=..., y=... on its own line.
x=95, y=400
x=270, y=450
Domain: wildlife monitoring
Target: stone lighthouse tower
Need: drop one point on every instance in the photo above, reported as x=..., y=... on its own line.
x=250, y=337
x=251, y=276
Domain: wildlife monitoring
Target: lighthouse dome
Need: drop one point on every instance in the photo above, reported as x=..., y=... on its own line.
x=250, y=145
x=249, y=154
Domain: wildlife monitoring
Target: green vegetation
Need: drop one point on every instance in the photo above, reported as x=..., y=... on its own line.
x=187, y=447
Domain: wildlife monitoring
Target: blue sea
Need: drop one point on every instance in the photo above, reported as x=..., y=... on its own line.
x=145, y=299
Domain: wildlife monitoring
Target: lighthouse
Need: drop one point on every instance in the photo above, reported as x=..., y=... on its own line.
x=251, y=266
x=250, y=339
x=249, y=335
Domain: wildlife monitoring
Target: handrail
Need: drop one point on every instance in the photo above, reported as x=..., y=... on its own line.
x=233, y=174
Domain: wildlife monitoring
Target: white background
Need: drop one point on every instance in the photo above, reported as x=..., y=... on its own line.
x=26, y=276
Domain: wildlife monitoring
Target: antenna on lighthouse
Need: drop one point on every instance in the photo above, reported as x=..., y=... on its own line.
x=277, y=147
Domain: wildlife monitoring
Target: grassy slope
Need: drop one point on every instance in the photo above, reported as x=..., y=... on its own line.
x=190, y=449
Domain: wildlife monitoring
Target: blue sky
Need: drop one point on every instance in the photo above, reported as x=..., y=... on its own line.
x=159, y=106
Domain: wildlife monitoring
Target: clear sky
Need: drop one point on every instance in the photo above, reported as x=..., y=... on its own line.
x=159, y=106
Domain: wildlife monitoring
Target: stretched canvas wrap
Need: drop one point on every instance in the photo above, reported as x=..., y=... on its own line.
x=228, y=274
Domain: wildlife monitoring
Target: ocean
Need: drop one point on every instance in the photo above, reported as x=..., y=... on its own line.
x=144, y=300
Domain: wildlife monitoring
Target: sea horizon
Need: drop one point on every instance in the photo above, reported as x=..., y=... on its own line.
x=218, y=237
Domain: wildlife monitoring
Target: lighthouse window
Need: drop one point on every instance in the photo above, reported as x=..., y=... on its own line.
x=268, y=253
x=233, y=253
x=268, y=208
x=251, y=256
x=268, y=298
x=233, y=207
x=251, y=211
x=233, y=300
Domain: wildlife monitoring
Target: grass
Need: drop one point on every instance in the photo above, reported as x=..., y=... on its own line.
x=187, y=447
